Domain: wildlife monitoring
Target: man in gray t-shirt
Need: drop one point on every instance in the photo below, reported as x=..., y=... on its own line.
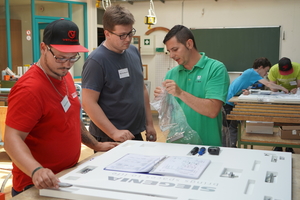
x=113, y=91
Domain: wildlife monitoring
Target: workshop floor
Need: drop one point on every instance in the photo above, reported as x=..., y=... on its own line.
x=5, y=162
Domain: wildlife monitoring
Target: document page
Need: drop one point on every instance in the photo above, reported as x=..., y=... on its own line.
x=135, y=163
x=182, y=166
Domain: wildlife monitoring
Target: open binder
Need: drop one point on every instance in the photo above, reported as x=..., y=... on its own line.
x=179, y=166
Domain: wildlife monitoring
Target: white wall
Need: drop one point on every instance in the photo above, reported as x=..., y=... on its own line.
x=221, y=13
x=204, y=14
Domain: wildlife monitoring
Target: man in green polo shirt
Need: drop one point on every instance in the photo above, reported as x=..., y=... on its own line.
x=199, y=84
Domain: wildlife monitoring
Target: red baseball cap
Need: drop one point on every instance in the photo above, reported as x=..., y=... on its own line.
x=285, y=66
x=63, y=35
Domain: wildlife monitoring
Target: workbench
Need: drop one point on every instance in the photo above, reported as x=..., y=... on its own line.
x=250, y=168
x=281, y=113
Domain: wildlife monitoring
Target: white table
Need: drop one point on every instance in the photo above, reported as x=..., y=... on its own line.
x=250, y=166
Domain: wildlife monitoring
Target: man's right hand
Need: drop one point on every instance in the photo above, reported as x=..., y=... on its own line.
x=246, y=92
x=158, y=92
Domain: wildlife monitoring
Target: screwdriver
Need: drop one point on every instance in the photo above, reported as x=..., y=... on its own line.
x=201, y=151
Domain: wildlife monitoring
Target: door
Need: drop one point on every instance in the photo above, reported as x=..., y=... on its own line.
x=40, y=25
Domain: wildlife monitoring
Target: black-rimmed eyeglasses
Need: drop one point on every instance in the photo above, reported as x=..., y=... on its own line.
x=63, y=60
x=124, y=36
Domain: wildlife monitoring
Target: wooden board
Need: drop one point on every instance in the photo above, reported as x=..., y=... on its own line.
x=283, y=113
x=3, y=111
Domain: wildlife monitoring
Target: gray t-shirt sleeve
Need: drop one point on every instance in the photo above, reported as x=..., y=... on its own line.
x=93, y=76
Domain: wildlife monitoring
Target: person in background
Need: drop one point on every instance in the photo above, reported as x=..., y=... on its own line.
x=113, y=91
x=249, y=77
x=43, y=132
x=198, y=83
x=287, y=74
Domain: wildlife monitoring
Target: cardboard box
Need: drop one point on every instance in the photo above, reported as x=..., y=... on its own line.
x=289, y=132
x=259, y=127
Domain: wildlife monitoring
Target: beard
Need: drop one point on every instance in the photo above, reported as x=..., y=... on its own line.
x=51, y=71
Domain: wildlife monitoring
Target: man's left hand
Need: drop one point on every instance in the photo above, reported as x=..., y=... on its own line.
x=150, y=134
x=105, y=146
x=172, y=88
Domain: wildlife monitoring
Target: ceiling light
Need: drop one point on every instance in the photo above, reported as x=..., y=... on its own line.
x=150, y=19
x=105, y=4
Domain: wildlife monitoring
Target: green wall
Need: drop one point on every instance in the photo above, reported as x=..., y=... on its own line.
x=237, y=48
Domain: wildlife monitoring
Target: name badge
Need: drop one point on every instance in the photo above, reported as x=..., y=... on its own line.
x=123, y=73
x=293, y=83
x=74, y=95
x=65, y=103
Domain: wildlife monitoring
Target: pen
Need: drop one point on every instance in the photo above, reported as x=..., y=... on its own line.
x=201, y=151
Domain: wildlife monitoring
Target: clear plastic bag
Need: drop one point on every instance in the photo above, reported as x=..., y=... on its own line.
x=172, y=121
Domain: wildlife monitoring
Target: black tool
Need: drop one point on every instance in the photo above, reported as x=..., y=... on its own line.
x=214, y=150
x=194, y=151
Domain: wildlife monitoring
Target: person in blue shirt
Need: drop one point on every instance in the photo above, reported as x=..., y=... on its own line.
x=250, y=77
